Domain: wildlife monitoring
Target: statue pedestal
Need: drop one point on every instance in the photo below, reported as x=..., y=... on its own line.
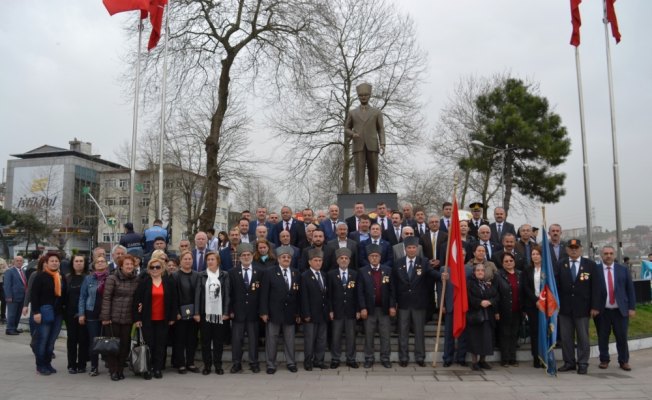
x=346, y=201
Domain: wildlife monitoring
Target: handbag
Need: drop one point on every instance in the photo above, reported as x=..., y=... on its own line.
x=139, y=357
x=106, y=345
x=187, y=311
x=474, y=317
x=524, y=329
x=47, y=314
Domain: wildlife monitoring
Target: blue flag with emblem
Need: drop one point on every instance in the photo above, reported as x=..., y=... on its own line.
x=548, y=305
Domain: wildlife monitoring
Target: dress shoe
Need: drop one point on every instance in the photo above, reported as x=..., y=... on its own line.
x=292, y=368
x=421, y=363
x=513, y=363
x=368, y=364
x=43, y=371
x=536, y=363
x=205, y=371
x=147, y=376
x=12, y=333
x=582, y=369
x=114, y=376
x=447, y=364
x=352, y=364
x=604, y=365
x=219, y=371
x=255, y=369
x=320, y=365
x=475, y=367
x=336, y=364
x=182, y=370
x=72, y=371
x=504, y=364
x=463, y=363
x=94, y=372
x=51, y=369
x=387, y=364
x=235, y=368
x=307, y=366
x=121, y=375
x=403, y=363
x=192, y=369
x=625, y=366
x=81, y=370
x=21, y=331
x=271, y=371
x=567, y=367
x=158, y=374
x=484, y=365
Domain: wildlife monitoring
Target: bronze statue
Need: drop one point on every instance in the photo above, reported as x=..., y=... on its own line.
x=365, y=126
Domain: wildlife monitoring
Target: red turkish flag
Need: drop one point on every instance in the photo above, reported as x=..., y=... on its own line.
x=117, y=6
x=457, y=274
x=156, y=9
x=611, y=17
x=576, y=20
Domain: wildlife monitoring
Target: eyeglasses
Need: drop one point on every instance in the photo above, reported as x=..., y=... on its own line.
x=155, y=267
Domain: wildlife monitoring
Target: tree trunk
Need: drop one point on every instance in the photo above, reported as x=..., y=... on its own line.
x=207, y=217
x=465, y=188
x=507, y=173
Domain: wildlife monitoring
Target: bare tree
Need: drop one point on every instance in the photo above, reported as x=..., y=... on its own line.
x=254, y=192
x=352, y=41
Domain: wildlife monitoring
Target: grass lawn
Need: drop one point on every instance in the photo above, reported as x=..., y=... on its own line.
x=639, y=326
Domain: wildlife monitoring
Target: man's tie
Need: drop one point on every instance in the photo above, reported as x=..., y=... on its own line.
x=411, y=270
x=375, y=241
x=448, y=223
x=397, y=232
x=287, y=226
x=287, y=280
x=200, y=261
x=500, y=229
x=486, y=247
x=321, y=283
x=344, y=278
x=22, y=276
x=421, y=230
x=610, y=286
x=357, y=224
x=433, y=240
x=246, y=276
x=477, y=224
x=333, y=223
x=574, y=270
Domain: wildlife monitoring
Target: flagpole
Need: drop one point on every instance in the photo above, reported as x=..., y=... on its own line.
x=585, y=157
x=163, y=98
x=134, y=134
x=612, y=109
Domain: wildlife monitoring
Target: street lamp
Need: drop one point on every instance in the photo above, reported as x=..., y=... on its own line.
x=87, y=190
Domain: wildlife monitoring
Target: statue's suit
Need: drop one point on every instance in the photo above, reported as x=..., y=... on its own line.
x=366, y=121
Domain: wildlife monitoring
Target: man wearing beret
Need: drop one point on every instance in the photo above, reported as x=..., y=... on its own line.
x=314, y=311
x=343, y=308
x=579, y=298
x=377, y=304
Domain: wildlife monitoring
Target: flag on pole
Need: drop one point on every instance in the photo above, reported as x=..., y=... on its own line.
x=646, y=269
x=156, y=9
x=611, y=18
x=457, y=273
x=118, y=6
x=576, y=20
x=548, y=305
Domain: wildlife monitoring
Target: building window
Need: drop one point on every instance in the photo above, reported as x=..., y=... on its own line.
x=144, y=220
x=106, y=237
x=168, y=184
x=110, y=183
x=147, y=186
x=144, y=202
x=124, y=184
x=124, y=201
x=109, y=201
x=225, y=213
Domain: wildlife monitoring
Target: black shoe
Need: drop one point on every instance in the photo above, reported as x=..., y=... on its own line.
x=51, y=369
x=12, y=333
x=352, y=364
x=205, y=371
x=72, y=371
x=21, y=331
x=292, y=368
x=463, y=363
x=255, y=369
x=336, y=364
x=307, y=366
x=447, y=364
x=320, y=365
x=235, y=368
x=368, y=364
x=192, y=369
x=158, y=374
x=582, y=369
x=219, y=371
x=81, y=370
x=567, y=367
x=403, y=363
x=271, y=371
x=387, y=364
x=114, y=376
x=147, y=376
x=421, y=363
x=121, y=375
x=182, y=370
x=475, y=367
x=536, y=363
x=504, y=364
x=513, y=363
x=484, y=365
x=94, y=372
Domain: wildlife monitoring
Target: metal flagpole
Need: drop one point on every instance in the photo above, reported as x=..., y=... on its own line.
x=134, y=134
x=612, y=108
x=585, y=161
x=163, y=96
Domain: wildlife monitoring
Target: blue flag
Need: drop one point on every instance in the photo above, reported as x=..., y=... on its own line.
x=548, y=305
x=646, y=269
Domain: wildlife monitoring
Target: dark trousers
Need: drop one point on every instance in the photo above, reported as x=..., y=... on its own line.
x=378, y=319
x=14, y=310
x=156, y=337
x=93, y=328
x=417, y=320
x=533, y=320
x=450, y=354
x=213, y=337
x=346, y=326
x=271, y=340
x=607, y=321
x=509, y=325
x=572, y=327
x=185, y=342
x=3, y=303
x=238, y=330
x=76, y=343
x=314, y=342
x=123, y=332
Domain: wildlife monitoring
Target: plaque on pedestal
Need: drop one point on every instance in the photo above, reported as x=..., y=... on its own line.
x=346, y=201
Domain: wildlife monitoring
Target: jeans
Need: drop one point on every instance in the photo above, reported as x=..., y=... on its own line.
x=14, y=309
x=43, y=342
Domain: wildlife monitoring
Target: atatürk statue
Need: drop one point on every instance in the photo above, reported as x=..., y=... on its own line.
x=365, y=125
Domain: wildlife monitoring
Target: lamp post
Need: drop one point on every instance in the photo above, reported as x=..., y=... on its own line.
x=87, y=191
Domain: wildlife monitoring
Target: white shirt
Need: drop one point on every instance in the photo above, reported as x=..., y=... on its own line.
x=537, y=281
x=606, y=284
x=244, y=238
x=289, y=275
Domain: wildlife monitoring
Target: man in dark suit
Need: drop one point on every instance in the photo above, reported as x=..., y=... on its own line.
x=285, y=240
x=229, y=255
x=317, y=243
x=393, y=233
x=296, y=228
x=578, y=284
x=382, y=218
x=314, y=311
x=199, y=253
x=261, y=219
x=14, y=286
x=353, y=221
x=420, y=223
x=343, y=308
x=617, y=304
x=509, y=246
x=340, y=241
x=245, y=288
x=386, y=254
x=279, y=308
x=484, y=238
x=447, y=213
x=525, y=242
x=557, y=249
x=410, y=277
x=434, y=242
x=245, y=236
x=329, y=225
x=500, y=227
x=117, y=252
x=362, y=233
x=377, y=304
x=476, y=221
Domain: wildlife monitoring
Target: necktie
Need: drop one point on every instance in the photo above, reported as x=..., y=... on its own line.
x=433, y=240
x=421, y=230
x=357, y=224
x=500, y=229
x=246, y=276
x=574, y=270
x=486, y=247
x=22, y=276
x=344, y=278
x=287, y=226
x=382, y=223
x=397, y=232
x=448, y=222
x=321, y=283
x=610, y=286
x=375, y=241
x=200, y=261
x=333, y=223
x=477, y=224
x=411, y=270
x=287, y=279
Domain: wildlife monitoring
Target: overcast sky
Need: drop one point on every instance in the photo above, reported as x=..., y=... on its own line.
x=62, y=61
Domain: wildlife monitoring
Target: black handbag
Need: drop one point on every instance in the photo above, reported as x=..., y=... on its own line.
x=140, y=357
x=524, y=329
x=474, y=317
x=106, y=345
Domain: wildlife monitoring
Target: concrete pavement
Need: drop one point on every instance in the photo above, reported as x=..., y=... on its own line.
x=19, y=381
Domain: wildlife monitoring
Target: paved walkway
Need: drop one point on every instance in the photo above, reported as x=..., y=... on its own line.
x=19, y=381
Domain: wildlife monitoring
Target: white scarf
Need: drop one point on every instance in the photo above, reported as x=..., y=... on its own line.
x=213, y=297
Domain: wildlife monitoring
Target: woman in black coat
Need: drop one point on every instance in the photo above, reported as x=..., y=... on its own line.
x=481, y=317
x=185, y=335
x=531, y=289
x=77, y=335
x=510, y=284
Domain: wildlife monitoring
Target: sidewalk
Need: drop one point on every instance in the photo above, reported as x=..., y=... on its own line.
x=19, y=381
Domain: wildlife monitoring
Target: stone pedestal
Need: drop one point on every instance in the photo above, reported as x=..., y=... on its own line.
x=346, y=201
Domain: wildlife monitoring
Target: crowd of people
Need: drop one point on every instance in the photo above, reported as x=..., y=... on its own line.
x=268, y=276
